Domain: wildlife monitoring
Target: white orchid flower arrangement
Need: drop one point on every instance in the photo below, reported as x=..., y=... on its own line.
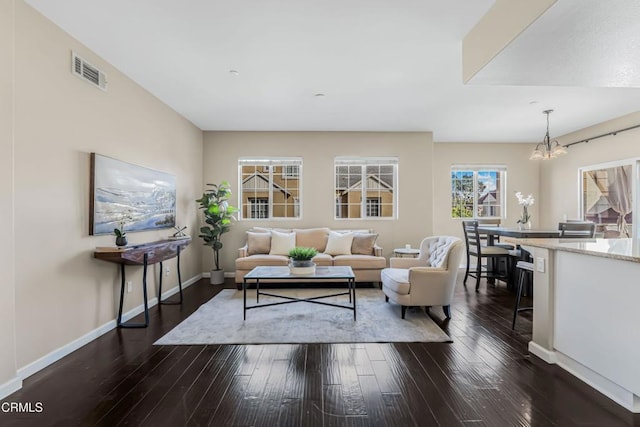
x=525, y=202
x=125, y=218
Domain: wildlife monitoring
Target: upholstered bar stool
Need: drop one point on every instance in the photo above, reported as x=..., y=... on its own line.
x=525, y=269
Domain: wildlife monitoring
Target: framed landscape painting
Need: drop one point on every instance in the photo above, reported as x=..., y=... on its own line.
x=143, y=198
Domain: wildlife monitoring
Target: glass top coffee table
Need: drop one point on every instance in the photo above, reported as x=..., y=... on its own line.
x=328, y=273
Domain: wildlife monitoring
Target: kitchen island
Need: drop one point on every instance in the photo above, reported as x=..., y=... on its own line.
x=586, y=316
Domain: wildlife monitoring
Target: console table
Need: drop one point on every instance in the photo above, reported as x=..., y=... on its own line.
x=144, y=254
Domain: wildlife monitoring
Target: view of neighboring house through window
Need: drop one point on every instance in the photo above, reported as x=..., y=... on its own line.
x=373, y=206
x=258, y=207
x=477, y=191
x=290, y=171
x=365, y=187
x=271, y=188
x=607, y=198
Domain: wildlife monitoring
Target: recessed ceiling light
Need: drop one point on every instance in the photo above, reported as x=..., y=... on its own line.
x=234, y=72
x=319, y=95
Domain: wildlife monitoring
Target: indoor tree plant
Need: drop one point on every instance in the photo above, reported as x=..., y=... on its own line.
x=218, y=215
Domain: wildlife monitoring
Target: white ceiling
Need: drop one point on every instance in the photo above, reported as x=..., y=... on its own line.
x=590, y=43
x=383, y=65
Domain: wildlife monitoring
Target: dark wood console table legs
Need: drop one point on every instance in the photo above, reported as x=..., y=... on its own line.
x=166, y=301
x=144, y=295
x=144, y=292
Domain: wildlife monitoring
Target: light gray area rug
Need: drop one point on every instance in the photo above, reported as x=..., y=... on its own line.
x=219, y=321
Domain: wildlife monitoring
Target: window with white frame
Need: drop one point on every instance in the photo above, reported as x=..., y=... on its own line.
x=365, y=187
x=478, y=191
x=270, y=188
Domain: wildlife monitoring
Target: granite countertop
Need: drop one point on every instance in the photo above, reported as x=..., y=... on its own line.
x=621, y=249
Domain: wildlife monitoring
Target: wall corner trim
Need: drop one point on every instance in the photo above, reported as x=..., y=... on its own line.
x=548, y=356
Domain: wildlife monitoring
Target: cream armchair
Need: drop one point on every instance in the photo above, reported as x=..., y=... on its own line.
x=427, y=280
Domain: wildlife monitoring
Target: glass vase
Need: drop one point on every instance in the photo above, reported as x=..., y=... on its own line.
x=524, y=225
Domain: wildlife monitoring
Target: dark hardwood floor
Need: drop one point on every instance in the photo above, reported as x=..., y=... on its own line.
x=484, y=377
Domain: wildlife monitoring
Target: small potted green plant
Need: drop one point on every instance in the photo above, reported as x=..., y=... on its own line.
x=300, y=260
x=218, y=214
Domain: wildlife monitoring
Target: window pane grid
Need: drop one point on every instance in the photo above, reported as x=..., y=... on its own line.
x=364, y=188
x=477, y=193
x=270, y=189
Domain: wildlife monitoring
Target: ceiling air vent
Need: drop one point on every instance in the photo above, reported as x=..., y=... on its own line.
x=88, y=72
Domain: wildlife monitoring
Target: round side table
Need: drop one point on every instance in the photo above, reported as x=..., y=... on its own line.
x=406, y=252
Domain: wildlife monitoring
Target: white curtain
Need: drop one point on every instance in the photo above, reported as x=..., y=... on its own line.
x=619, y=195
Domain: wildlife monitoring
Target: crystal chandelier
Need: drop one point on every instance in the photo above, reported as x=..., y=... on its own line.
x=548, y=149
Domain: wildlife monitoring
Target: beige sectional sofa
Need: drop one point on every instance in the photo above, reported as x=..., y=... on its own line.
x=264, y=247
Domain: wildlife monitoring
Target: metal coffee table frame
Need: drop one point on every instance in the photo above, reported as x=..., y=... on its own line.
x=283, y=274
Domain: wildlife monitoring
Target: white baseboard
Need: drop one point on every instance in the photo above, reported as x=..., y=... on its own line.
x=613, y=391
x=154, y=301
x=544, y=354
x=11, y=386
x=59, y=353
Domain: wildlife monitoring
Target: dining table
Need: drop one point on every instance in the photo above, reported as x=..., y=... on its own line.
x=519, y=233
x=494, y=232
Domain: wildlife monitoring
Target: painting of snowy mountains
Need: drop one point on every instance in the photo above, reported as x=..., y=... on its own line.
x=134, y=196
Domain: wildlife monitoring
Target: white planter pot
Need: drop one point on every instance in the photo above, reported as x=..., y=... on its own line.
x=217, y=277
x=302, y=267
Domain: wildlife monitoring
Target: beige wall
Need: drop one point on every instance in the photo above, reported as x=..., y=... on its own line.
x=7, y=309
x=318, y=150
x=559, y=178
x=63, y=293
x=522, y=175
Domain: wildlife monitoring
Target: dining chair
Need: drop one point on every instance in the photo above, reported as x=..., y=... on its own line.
x=479, y=251
x=573, y=229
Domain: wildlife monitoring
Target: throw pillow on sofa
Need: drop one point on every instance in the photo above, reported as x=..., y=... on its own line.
x=339, y=243
x=312, y=238
x=258, y=243
x=363, y=243
x=282, y=243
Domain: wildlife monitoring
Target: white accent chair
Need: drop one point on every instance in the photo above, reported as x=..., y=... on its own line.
x=427, y=280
